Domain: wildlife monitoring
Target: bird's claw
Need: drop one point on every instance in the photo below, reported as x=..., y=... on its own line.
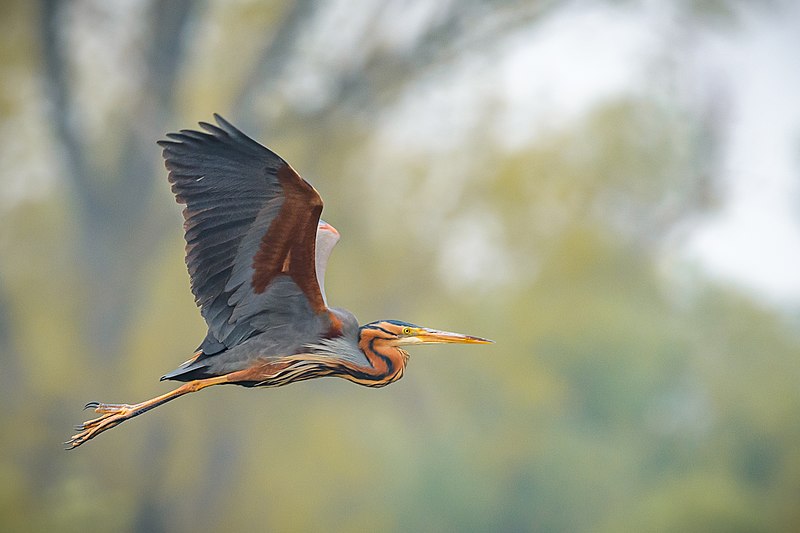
x=112, y=415
x=106, y=407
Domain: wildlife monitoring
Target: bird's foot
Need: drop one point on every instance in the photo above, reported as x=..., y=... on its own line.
x=112, y=415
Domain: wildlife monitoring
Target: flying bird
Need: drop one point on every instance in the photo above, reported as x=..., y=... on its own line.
x=256, y=251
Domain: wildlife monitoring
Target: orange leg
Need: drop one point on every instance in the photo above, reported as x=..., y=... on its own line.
x=113, y=415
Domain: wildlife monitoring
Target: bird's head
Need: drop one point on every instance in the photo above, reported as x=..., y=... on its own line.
x=398, y=334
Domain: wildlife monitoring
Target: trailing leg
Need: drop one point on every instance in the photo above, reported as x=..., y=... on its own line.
x=112, y=415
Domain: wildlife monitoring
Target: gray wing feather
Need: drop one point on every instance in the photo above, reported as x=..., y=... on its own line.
x=230, y=187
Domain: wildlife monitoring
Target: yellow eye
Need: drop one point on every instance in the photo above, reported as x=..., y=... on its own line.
x=406, y=331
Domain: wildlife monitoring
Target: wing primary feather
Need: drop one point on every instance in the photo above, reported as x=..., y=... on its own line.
x=216, y=130
x=249, y=218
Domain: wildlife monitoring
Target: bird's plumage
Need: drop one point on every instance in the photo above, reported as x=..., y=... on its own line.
x=251, y=228
x=256, y=251
x=327, y=237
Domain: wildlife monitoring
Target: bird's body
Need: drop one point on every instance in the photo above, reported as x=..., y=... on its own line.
x=256, y=251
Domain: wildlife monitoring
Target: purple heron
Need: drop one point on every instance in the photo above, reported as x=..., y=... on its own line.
x=256, y=252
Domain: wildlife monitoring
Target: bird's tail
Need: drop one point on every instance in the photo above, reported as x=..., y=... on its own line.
x=193, y=368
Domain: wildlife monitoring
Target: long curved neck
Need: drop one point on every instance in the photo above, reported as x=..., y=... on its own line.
x=387, y=361
x=386, y=365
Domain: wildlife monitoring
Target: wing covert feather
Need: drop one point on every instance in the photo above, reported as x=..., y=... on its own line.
x=250, y=222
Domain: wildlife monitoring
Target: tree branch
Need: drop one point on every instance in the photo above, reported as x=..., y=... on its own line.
x=66, y=124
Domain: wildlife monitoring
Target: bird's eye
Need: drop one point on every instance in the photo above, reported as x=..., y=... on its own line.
x=406, y=331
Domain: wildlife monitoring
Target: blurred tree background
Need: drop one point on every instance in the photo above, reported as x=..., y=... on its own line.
x=531, y=171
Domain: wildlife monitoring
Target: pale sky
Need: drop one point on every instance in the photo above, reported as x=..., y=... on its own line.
x=754, y=241
x=585, y=55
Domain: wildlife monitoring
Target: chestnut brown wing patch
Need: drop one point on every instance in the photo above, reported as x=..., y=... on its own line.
x=288, y=245
x=249, y=220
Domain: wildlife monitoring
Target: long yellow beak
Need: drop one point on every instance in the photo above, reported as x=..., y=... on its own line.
x=433, y=336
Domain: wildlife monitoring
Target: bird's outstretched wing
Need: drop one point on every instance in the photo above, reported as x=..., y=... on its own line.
x=327, y=237
x=250, y=227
